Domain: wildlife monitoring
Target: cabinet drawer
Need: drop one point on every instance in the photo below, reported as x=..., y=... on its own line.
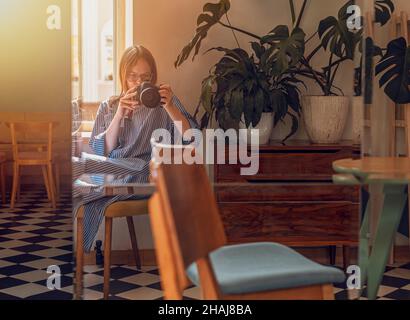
x=260, y=192
x=291, y=223
x=287, y=165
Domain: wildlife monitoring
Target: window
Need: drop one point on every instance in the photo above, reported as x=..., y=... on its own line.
x=98, y=38
x=107, y=52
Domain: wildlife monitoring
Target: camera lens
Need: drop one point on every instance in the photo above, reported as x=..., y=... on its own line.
x=149, y=95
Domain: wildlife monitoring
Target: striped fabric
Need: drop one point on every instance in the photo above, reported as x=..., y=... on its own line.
x=131, y=157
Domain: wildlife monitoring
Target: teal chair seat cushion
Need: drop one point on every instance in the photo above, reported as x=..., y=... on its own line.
x=258, y=267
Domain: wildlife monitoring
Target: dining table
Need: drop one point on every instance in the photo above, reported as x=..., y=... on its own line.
x=111, y=185
x=392, y=174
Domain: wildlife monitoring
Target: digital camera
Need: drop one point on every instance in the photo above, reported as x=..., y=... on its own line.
x=148, y=95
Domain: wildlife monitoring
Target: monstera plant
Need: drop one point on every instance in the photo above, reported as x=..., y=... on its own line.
x=384, y=10
x=249, y=85
x=269, y=75
x=242, y=86
x=394, y=71
x=393, y=68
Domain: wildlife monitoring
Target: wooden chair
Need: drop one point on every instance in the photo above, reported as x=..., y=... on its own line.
x=120, y=209
x=3, y=176
x=191, y=246
x=27, y=153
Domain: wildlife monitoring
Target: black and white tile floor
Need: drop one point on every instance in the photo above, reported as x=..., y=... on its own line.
x=395, y=285
x=33, y=237
x=128, y=283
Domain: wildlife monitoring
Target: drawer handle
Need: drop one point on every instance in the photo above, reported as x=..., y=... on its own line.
x=317, y=152
x=287, y=181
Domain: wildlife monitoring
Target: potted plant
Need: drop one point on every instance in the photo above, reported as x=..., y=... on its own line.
x=251, y=91
x=286, y=63
x=241, y=88
x=325, y=115
x=254, y=90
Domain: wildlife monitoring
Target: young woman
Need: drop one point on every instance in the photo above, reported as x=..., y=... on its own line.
x=123, y=127
x=122, y=133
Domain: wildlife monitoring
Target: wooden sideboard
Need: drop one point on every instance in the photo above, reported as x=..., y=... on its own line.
x=292, y=199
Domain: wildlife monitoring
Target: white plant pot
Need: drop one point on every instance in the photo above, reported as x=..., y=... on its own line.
x=264, y=126
x=325, y=117
x=357, y=119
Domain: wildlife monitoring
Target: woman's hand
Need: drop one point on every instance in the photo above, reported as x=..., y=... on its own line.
x=176, y=115
x=166, y=94
x=128, y=104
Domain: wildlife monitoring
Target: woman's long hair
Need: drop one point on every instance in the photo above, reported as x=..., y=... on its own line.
x=129, y=58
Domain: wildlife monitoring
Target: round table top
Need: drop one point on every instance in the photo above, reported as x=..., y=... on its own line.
x=381, y=167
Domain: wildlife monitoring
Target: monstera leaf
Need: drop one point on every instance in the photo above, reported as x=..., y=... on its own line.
x=235, y=60
x=206, y=93
x=212, y=13
x=371, y=51
x=395, y=71
x=287, y=49
x=384, y=10
x=242, y=91
x=335, y=35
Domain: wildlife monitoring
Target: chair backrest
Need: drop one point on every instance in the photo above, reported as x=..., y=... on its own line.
x=163, y=153
x=186, y=224
x=31, y=136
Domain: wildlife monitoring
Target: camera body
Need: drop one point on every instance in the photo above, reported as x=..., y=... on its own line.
x=148, y=95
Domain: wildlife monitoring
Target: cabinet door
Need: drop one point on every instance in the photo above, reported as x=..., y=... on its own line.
x=292, y=223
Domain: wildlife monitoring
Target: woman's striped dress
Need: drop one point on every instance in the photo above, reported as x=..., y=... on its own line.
x=131, y=157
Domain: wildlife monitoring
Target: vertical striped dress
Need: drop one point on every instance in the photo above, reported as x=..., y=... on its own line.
x=131, y=157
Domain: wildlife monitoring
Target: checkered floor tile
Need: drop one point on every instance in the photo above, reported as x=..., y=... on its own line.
x=395, y=285
x=33, y=237
x=129, y=284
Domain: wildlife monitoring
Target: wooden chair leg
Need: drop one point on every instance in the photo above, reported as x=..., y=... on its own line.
x=79, y=261
x=327, y=292
x=392, y=256
x=46, y=182
x=57, y=175
x=52, y=185
x=15, y=185
x=3, y=182
x=332, y=255
x=18, y=187
x=134, y=242
x=346, y=257
x=107, y=256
